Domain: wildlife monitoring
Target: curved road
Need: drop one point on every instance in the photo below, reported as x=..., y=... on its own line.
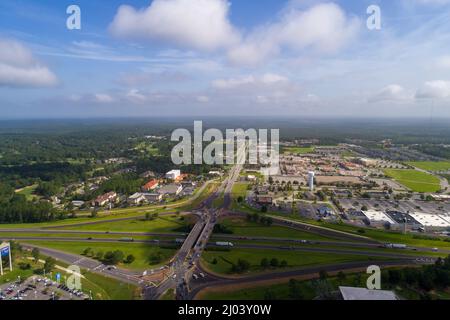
x=312, y=272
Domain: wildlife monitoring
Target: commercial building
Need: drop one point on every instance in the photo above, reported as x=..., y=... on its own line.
x=264, y=200
x=377, y=217
x=173, y=174
x=136, y=198
x=170, y=190
x=152, y=197
x=402, y=218
x=78, y=203
x=431, y=220
x=351, y=293
x=325, y=211
x=104, y=199
x=149, y=186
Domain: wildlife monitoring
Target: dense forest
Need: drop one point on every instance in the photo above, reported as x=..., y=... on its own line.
x=15, y=208
x=52, y=154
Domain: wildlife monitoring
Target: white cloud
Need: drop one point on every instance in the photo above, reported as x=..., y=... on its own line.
x=18, y=67
x=233, y=82
x=136, y=96
x=198, y=24
x=250, y=80
x=438, y=89
x=393, y=92
x=203, y=99
x=443, y=62
x=103, y=98
x=431, y=2
x=324, y=28
x=204, y=25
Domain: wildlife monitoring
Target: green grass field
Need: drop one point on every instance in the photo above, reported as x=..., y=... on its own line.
x=430, y=165
x=141, y=252
x=415, y=180
x=159, y=225
x=10, y=276
x=298, y=150
x=44, y=236
x=242, y=227
x=225, y=259
x=28, y=192
x=239, y=190
x=135, y=213
x=381, y=235
x=104, y=288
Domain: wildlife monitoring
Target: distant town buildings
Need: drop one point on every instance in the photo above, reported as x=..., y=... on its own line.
x=105, y=199
x=170, y=190
x=311, y=175
x=151, y=185
x=136, y=198
x=173, y=175
x=215, y=173
x=148, y=174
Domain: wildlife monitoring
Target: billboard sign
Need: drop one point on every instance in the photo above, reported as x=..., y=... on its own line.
x=4, y=252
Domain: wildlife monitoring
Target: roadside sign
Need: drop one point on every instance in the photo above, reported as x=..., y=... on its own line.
x=58, y=277
x=4, y=251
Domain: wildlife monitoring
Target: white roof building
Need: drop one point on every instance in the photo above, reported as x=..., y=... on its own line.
x=350, y=293
x=173, y=174
x=431, y=220
x=377, y=216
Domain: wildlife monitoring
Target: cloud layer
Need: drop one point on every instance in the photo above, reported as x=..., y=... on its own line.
x=18, y=67
x=198, y=24
x=205, y=25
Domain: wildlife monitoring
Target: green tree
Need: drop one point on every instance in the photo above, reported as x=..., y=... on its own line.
x=265, y=263
x=341, y=277
x=323, y=275
x=49, y=264
x=270, y=295
x=35, y=254
x=99, y=255
x=274, y=263
x=130, y=259
x=113, y=257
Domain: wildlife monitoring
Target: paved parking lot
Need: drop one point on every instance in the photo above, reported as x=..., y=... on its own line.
x=391, y=205
x=38, y=288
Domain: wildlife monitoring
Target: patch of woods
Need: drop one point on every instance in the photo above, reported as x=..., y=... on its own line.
x=14, y=208
x=109, y=257
x=423, y=283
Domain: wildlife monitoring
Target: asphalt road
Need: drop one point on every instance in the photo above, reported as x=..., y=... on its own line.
x=326, y=232
x=214, y=281
x=89, y=264
x=186, y=261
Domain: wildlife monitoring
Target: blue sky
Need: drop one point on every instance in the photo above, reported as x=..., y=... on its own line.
x=218, y=57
